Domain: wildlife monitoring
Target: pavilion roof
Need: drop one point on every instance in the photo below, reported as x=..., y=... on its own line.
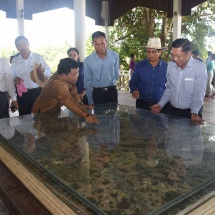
x=94, y=7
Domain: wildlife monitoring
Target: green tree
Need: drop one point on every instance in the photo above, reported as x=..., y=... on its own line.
x=200, y=26
x=89, y=46
x=131, y=31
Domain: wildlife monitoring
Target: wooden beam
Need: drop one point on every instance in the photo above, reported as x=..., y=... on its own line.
x=36, y=187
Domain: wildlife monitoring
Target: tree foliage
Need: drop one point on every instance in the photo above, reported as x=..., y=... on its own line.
x=200, y=26
x=131, y=31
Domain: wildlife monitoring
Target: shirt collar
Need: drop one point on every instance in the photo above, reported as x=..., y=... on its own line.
x=31, y=53
x=189, y=64
x=107, y=54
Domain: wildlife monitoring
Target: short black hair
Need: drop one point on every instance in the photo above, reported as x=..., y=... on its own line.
x=132, y=55
x=65, y=65
x=209, y=53
x=195, y=52
x=20, y=38
x=98, y=34
x=72, y=49
x=185, y=44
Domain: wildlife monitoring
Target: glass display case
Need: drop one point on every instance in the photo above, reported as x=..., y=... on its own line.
x=133, y=162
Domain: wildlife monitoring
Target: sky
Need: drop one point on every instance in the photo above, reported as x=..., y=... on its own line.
x=47, y=28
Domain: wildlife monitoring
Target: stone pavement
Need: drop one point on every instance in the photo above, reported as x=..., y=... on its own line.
x=125, y=98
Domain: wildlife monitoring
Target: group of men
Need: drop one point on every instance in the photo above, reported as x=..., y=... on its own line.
x=101, y=71
x=176, y=88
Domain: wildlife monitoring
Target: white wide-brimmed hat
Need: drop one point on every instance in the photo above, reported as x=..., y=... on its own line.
x=38, y=76
x=154, y=43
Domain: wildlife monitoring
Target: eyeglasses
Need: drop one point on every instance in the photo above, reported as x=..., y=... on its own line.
x=176, y=56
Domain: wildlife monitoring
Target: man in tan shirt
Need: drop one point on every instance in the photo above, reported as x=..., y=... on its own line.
x=60, y=90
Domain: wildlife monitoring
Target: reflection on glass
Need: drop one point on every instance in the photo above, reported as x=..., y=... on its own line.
x=132, y=162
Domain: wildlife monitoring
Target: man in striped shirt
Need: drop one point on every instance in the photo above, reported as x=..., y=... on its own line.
x=186, y=83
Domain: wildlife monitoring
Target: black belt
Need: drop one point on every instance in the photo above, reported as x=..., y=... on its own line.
x=147, y=103
x=179, y=109
x=104, y=88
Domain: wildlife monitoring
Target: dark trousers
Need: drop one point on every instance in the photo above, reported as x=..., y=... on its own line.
x=4, y=105
x=146, y=105
x=186, y=113
x=85, y=100
x=105, y=95
x=27, y=100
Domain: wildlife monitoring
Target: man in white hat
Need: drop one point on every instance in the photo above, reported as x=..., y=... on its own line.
x=186, y=83
x=147, y=84
x=22, y=67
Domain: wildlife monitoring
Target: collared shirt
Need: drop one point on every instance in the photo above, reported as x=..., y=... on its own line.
x=149, y=81
x=100, y=72
x=58, y=92
x=210, y=66
x=22, y=67
x=6, y=79
x=185, y=87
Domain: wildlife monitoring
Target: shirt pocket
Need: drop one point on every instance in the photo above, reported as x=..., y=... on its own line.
x=188, y=85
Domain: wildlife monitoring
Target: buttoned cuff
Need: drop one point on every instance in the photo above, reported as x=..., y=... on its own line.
x=161, y=103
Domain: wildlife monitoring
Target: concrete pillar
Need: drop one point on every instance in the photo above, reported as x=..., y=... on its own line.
x=20, y=17
x=106, y=19
x=80, y=30
x=177, y=5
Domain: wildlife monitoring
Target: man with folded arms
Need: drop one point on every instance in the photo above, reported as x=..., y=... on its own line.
x=186, y=83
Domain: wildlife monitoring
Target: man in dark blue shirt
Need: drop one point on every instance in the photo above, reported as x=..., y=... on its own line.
x=147, y=84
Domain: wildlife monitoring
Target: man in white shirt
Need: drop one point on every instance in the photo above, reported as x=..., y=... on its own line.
x=6, y=84
x=22, y=66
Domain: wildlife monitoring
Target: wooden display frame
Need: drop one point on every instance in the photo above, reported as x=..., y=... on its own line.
x=37, y=188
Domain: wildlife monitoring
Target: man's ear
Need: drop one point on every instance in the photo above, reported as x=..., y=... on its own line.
x=63, y=75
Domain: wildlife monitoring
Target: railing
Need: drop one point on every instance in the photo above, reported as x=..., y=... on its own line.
x=123, y=81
